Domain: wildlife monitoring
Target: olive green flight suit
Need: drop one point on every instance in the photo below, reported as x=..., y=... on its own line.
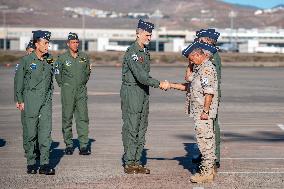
x=34, y=87
x=72, y=75
x=216, y=60
x=22, y=112
x=134, y=96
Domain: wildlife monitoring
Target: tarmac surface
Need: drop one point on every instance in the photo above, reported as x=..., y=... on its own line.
x=252, y=124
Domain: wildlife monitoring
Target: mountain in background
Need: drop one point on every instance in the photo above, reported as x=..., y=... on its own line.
x=177, y=14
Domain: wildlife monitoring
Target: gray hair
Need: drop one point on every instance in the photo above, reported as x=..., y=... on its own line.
x=139, y=30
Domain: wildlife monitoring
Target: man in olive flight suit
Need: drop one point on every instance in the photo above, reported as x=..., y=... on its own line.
x=33, y=95
x=72, y=73
x=134, y=95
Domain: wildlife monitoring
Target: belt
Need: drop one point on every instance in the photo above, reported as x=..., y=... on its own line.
x=129, y=84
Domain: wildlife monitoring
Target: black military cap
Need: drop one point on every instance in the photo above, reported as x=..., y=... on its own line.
x=196, y=45
x=31, y=45
x=147, y=26
x=72, y=36
x=41, y=34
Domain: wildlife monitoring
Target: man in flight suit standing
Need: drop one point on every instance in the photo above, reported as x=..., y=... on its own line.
x=72, y=72
x=33, y=95
x=134, y=95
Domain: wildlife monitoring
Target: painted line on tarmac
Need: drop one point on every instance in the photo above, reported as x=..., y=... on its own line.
x=95, y=93
x=281, y=126
x=248, y=172
x=254, y=158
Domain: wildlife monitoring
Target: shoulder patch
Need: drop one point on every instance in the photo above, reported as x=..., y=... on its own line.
x=134, y=57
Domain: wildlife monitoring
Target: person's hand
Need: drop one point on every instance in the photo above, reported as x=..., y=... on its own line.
x=204, y=116
x=164, y=85
x=17, y=105
x=20, y=106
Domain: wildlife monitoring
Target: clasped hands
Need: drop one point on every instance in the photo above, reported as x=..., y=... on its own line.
x=165, y=85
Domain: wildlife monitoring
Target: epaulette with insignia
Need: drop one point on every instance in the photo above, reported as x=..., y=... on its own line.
x=49, y=60
x=83, y=59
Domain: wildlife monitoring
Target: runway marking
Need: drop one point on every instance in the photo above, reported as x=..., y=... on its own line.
x=95, y=93
x=281, y=126
x=255, y=158
x=248, y=172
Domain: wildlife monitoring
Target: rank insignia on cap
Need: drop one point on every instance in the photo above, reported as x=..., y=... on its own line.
x=196, y=45
x=211, y=33
x=41, y=34
x=72, y=36
x=147, y=26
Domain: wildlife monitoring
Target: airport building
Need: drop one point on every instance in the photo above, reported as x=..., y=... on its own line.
x=242, y=40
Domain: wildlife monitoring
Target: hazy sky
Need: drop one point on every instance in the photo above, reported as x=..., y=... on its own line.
x=257, y=3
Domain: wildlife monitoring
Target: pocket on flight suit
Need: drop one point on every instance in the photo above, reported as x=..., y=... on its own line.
x=67, y=94
x=132, y=100
x=33, y=102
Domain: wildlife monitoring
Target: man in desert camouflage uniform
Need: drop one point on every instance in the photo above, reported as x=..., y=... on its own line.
x=209, y=36
x=203, y=105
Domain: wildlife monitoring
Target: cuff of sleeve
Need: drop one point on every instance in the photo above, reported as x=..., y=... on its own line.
x=209, y=91
x=20, y=100
x=156, y=84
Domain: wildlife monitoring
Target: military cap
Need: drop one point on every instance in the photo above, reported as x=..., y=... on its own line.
x=211, y=33
x=72, y=36
x=41, y=34
x=31, y=45
x=198, y=45
x=147, y=26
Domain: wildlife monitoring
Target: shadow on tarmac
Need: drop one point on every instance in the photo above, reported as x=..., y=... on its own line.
x=2, y=142
x=76, y=144
x=55, y=155
x=260, y=136
x=186, y=161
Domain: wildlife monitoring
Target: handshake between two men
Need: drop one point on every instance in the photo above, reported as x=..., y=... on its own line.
x=165, y=85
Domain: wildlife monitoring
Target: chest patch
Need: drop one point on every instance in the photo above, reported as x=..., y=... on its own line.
x=141, y=59
x=68, y=63
x=33, y=66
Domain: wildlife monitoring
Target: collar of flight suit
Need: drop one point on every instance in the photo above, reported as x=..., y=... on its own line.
x=34, y=56
x=139, y=48
x=69, y=54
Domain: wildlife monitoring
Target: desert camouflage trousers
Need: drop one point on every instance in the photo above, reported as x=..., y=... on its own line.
x=206, y=141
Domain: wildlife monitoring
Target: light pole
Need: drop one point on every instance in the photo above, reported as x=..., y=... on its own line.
x=232, y=15
x=157, y=14
x=83, y=29
x=5, y=31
